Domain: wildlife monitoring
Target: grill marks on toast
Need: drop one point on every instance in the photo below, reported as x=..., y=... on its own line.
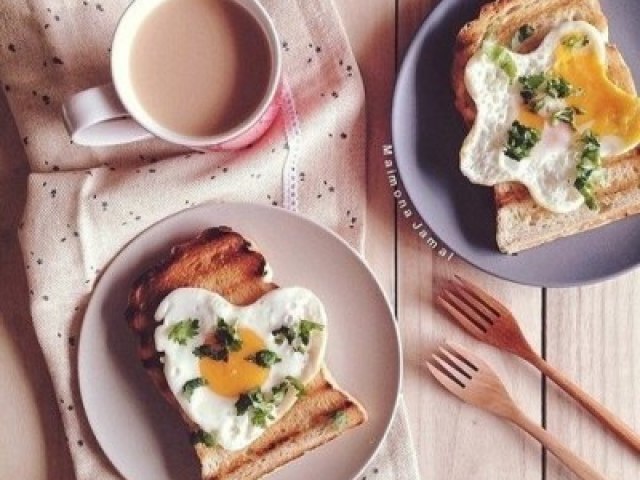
x=521, y=223
x=218, y=259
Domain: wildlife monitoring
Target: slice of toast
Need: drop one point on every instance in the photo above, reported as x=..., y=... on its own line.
x=222, y=261
x=521, y=223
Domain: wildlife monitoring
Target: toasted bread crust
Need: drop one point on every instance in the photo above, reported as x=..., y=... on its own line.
x=521, y=224
x=222, y=261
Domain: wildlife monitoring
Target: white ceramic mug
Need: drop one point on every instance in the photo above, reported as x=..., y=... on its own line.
x=112, y=114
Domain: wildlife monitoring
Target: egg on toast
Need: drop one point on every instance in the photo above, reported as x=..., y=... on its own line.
x=238, y=357
x=554, y=120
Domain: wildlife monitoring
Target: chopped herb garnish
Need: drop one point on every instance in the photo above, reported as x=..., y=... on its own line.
x=184, y=330
x=586, y=190
x=284, y=333
x=590, y=162
x=214, y=353
x=298, y=335
x=260, y=416
x=502, y=58
x=567, y=115
x=243, y=404
x=575, y=40
x=530, y=85
x=208, y=439
x=264, y=358
x=228, y=336
x=521, y=35
x=282, y=388
x=190, y=386
x=537, y=104
x=260, y=404
x=339, y=419
x=530, y=90
x=305, y=328
x=520, y=141
x=279, y=391
x=226, y=340
x=558, y=87
x=591, y=148
x=297, y=384
x=534, y=89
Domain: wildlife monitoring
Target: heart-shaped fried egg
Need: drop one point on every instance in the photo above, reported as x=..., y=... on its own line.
x=236, y=370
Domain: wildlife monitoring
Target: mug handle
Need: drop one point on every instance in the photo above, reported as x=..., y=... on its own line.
x=96, y=118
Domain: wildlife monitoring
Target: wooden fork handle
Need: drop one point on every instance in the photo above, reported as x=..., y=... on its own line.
x=589, y=403
x=562, y=453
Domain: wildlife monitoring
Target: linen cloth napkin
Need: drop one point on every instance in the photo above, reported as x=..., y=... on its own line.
x=85, y=204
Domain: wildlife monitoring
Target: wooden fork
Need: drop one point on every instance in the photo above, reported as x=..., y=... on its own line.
x=491, y=322
x=473, y=381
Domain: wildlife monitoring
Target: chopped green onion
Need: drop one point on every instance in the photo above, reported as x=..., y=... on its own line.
x=208, y=439
x=220, y=354
x=502, y=58
x=226, y=340
x=567, y=115
x=184, y=330
x=260, y=405
x=536, y=88
x=297, y=335
x=297, y=384
x=227, y=336
x=558, y=87
x=590, y=162
x=190, y=386
x=305, y=328
x=284, y=333
x=264, y=358
x=243, y=403
x=520, y=141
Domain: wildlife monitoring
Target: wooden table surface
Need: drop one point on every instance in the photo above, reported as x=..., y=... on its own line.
x=588, y=332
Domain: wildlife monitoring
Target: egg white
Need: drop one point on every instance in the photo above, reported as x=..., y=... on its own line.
x=549, y=172
x=217, y=414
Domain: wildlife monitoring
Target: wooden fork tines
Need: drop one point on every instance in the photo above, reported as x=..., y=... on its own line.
x=491, y=322
x=484, y=317
x=473, y=381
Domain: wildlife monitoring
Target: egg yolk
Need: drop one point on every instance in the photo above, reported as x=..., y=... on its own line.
x=238, y=375
x=606, y=108
x=530, y=119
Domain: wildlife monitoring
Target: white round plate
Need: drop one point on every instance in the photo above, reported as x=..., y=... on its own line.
x=145, y=438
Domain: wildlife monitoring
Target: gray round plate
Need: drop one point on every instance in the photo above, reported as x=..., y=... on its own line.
x=428, y=132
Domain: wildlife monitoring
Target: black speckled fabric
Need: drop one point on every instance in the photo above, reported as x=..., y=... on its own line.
x=84, y=204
